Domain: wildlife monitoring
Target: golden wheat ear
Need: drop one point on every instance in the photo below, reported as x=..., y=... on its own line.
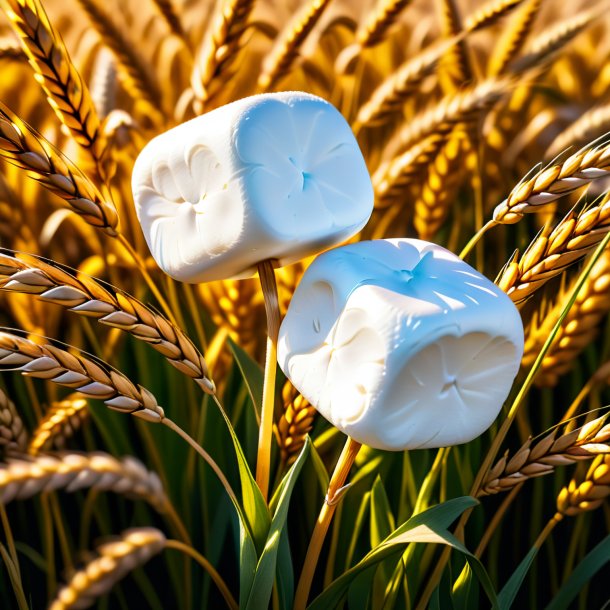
x=23, y=146
x=69, y=471
x=543, y=457
x=13, y=434
x=89, y=297
x=116, y=559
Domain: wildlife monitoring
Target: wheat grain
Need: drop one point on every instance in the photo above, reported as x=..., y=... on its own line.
x=93, y=379
x=68, y=95
x=294, y=424
x=220, y=46
x=578, y=330
x=13, y=435
x=554, y=181
x=513, y=37
x=86, y=296
x=59, y=423
x=543, y=457
x=550, y=253
x=586, y=128
x=440, y=186
x=70, y=471
x=589, y=494
x=378, y=21
x=286, y=48
x=455, y=68
x=139, y=80
x=116, y=559
x=22, y=146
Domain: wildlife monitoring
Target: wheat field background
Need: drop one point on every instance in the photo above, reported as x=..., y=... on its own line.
x=484, y=127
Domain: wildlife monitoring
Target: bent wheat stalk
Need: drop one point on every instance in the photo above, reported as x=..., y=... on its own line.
x=70, y=471
x=543, y=457
x=116, y=559
x=87, y=297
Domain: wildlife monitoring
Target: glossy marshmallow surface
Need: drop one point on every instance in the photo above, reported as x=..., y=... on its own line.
x=400, y=344
x=273, y=176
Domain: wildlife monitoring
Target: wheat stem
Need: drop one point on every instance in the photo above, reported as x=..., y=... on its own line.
x=336, y=490
x=476, y=237
x=263, y=461
x=207, y=566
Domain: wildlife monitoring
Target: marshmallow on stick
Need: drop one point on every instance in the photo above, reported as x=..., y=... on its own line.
x=276, y=176
x=400, y=344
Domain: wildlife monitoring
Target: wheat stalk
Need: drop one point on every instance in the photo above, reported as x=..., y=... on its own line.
x=586, y=128
x=116, y=559
x=93, y=379
x=489, y=14
x=294, y=424
x=220, y=45
x=513, y=38
x=286, y=48
x=70, y=471
x=460, y=107
x=13, y=435
x=59, y=423
x=392, y=177
x=378, y=21
x=554, y=181
x=68, y=95
x=139, y=80
x=588, y=494
x=22, y=146
x=552, y=40
x=389, y=97
x=88, y=297
x=543, y=457
x=549, y=254
x=579, y=328
x=440, y=185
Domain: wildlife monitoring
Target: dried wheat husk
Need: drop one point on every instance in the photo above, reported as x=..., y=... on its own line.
x=24, y=477
x=542, y=457
x=116, y=559
x=286, y=48
x=22, y=146
x=578, y=330
x=588, y=494
x=88, y=297
x=60, y=422
x=295, y=423
x=67, y=93
x=93, y=379
x=13, y=434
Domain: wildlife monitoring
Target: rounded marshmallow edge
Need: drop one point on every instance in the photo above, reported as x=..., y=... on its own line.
x=225, y=233
x=415, y=348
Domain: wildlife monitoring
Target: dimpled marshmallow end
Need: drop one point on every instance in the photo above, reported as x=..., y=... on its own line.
x=273, y=176
x=400, y=344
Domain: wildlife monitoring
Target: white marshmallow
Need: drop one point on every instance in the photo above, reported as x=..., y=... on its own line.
x=273, y=176
x=400, y=344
